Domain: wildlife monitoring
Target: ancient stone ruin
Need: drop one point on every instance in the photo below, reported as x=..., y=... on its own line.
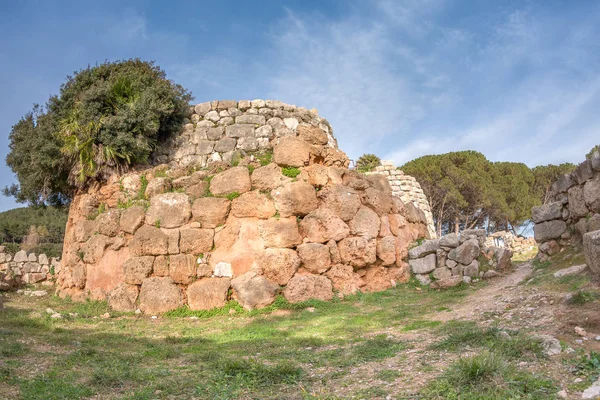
x=516, y=244
x=454, y=259
x=573, y=214
x=23, y=268
x=407, y=189
x=253, y=199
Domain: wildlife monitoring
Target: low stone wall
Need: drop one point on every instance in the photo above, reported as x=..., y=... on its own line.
x=517, y=244
x=295, y=222
x=226, y=130
x=573, y=210
x=408, y=189
x=24, y=268
x=454, y=259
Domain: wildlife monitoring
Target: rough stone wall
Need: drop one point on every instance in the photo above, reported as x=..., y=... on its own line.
x=517, y=244
x=408, y=189
x=454, y=259
x=180, y=233
x=225, y=130
x=573, y=209
x=23, y=268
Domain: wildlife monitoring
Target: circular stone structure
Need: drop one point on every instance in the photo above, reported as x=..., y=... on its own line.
x=252, y=200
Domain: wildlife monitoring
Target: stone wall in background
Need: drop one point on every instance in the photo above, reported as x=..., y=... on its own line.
x=517, y=244
x=454, y=259
x=226, y=130
x=572, y=211
x=22, y=268
x=408, y=189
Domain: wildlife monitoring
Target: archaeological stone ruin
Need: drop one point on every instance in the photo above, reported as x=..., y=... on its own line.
x=26, y=268
x=572, y=216
x=253, y=199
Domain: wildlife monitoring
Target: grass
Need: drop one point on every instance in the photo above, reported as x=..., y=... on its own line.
x=488, y=376
x=582, y=297
x=314, y=346
x=290, y=172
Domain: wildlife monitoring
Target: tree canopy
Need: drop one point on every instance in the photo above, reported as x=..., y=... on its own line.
x=467, y=190
x=104, y=119
x=367, y=162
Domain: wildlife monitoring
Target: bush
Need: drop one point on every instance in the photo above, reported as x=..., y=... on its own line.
x=105, y=118
x=367, y=162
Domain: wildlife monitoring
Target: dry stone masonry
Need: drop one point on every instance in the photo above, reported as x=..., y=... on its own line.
x=407, y=189
x=573, y=214
x=453, y=259
x=517, y=244
x=23, y=268
x=283, y=215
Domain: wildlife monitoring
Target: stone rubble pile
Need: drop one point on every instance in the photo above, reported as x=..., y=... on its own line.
x=454, y=259
x=407, y=189
x=23, y=268
x=226, y=130
x=517, y=244
x=169, y=235
x=573, y=215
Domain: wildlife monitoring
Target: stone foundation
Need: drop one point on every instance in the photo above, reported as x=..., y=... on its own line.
x=23, y=268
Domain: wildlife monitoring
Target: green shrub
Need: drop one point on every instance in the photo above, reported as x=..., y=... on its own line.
x=105, y=118
x=582, y=297
x=290, y=172
x=367, y=162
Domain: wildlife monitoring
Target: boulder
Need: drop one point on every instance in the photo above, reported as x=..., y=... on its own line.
x=291, y=151
x=123, y=298
x=397, y=224
x=376, y=279
x=136, y=269
x=467, y=234
x=254, y=291
x=584, y=172
x=472, y=270
x=279, y=265
x=107, y=223
x=423, y=279
x=447, y=282
x=149, y=240
x=157, y=186
x=342, y=200
x=365, y=223
x=547, y=212
x=253, y=204
x=574, y=270
x=377, y=200
x=551, y=247
x=233, y=180
x=386, y=250
x=131, y=219
x=169, y=210
x=427, y=247
x=315, y=175
x=21, y=256
x=268, y=177
x=323, y=225
x=196, y=241
x=43, y=259
x=279, y=232
x=449, y=240
x=577, y=206
x=441, y=273
x=312, y=134
x=315, y=257
x=595, y=161
x=208, y=293
x=344, y=279
x=159, y=295
x=94, y=248
x=466, y=252
x=591, y=248
x=210, y=212
x=423, y=265
x=295, y=198
x=358, y=251
x=549, y=230
x=305, y=287
x=503, y=258
x=182, y=268
x=563, y=183
x=591, y=195
x=85, y=229
x=160, y=266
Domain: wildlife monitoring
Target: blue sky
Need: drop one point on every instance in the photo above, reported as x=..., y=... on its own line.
x=518, y=81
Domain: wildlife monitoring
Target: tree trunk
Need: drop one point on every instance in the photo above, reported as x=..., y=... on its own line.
x=456, y=225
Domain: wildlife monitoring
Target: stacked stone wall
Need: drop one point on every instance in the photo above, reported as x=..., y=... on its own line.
x=23, y=268
x=408, y=189
x=189, y=232
x=573, y=209
x=453, y=259
x=517, y=244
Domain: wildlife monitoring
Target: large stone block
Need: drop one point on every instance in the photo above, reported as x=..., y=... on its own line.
x=547, y=212
x=344, y=279
x=254, y=291
x=208, y=293
x=253, y=204
x=268, y=177
x=279, y=265
x=210, y=212
x=315, y=257
x=342, y=200
x=305, y=287
x=159, y=295
x=591, y=248
x=236, y=179
x=131, y=219
x=280, y=232
x=427, y=247
x=239, y=131
x=591, y=194
x=423, y=265
x=466, y=252
x=291, y=152
x=251, y=119
x=322, y=225
x=549, y=230
x=123, y=298
x=577, y=206
x=584, y=172
x=295, y=198
x=358, y=251
x=169, y=210
x=136, y=269
x=195, y=241
x=149, y=240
